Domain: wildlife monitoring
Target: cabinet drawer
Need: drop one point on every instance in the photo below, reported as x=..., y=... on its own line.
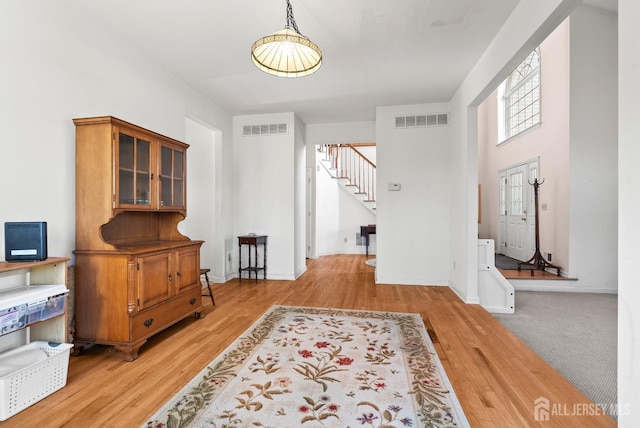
x=252, y=239
x=157, y=318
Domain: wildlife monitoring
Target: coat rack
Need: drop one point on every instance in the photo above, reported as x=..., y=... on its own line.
x=537, y=261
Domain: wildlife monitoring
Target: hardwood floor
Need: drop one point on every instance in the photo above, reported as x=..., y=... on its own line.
x=526, y=274
x=496, y=377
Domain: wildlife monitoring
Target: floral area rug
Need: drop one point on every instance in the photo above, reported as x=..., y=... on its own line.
x=313, y=367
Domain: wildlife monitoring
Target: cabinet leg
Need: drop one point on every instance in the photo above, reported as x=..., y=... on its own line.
x=130, y=351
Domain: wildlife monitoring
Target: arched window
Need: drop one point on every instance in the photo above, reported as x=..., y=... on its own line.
x=519, y=98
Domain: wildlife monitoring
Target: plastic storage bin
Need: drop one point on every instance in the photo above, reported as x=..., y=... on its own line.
x=12, y=318
x=21, y=306
x=28, y=385
x=44, y=309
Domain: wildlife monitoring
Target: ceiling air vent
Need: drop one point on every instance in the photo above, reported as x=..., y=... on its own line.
x=266, y=129
x=421, y=121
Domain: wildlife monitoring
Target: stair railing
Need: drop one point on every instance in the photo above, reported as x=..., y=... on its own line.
x=350, y=164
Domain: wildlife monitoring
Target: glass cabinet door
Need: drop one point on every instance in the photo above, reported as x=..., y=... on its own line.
x=134, y=171
x=172, y=183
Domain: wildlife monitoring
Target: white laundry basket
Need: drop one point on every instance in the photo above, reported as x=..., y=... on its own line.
x=26, y=386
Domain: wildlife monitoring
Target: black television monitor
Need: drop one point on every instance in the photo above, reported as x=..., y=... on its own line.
x=25, y=241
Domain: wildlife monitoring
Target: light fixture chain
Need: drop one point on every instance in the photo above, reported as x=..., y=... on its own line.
x=291, y=21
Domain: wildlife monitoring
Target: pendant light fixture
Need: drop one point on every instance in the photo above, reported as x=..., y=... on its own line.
x=287, y=53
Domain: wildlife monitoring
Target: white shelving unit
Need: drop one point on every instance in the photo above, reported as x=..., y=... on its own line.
x=33, y=315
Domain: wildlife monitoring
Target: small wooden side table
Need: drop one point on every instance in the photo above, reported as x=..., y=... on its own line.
x=253, y=241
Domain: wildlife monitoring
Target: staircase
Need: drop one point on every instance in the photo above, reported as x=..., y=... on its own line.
x=353, y=170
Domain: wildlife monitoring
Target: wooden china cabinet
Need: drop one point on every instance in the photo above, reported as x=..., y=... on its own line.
x=136, y=274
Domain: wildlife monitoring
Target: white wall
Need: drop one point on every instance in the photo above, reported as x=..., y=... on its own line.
x=413, y=223
x=629, y=206
x=300, y=199
x=340, y=133
x=327, y=213
x=264, y=175
x=56, y=69
x=593, y=169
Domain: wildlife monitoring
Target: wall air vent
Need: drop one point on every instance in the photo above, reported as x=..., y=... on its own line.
x=421, y=121
x=267, y=129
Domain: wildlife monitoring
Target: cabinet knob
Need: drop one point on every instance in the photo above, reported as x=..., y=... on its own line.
x=148, y=322
x=170, y=277
x=178, y=274
x=192, y=301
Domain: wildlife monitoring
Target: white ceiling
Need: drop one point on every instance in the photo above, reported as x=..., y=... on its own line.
x=375, y=52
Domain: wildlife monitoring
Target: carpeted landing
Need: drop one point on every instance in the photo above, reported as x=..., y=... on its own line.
x=576, y=333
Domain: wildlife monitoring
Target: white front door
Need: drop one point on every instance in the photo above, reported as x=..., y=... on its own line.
x=516, y=222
